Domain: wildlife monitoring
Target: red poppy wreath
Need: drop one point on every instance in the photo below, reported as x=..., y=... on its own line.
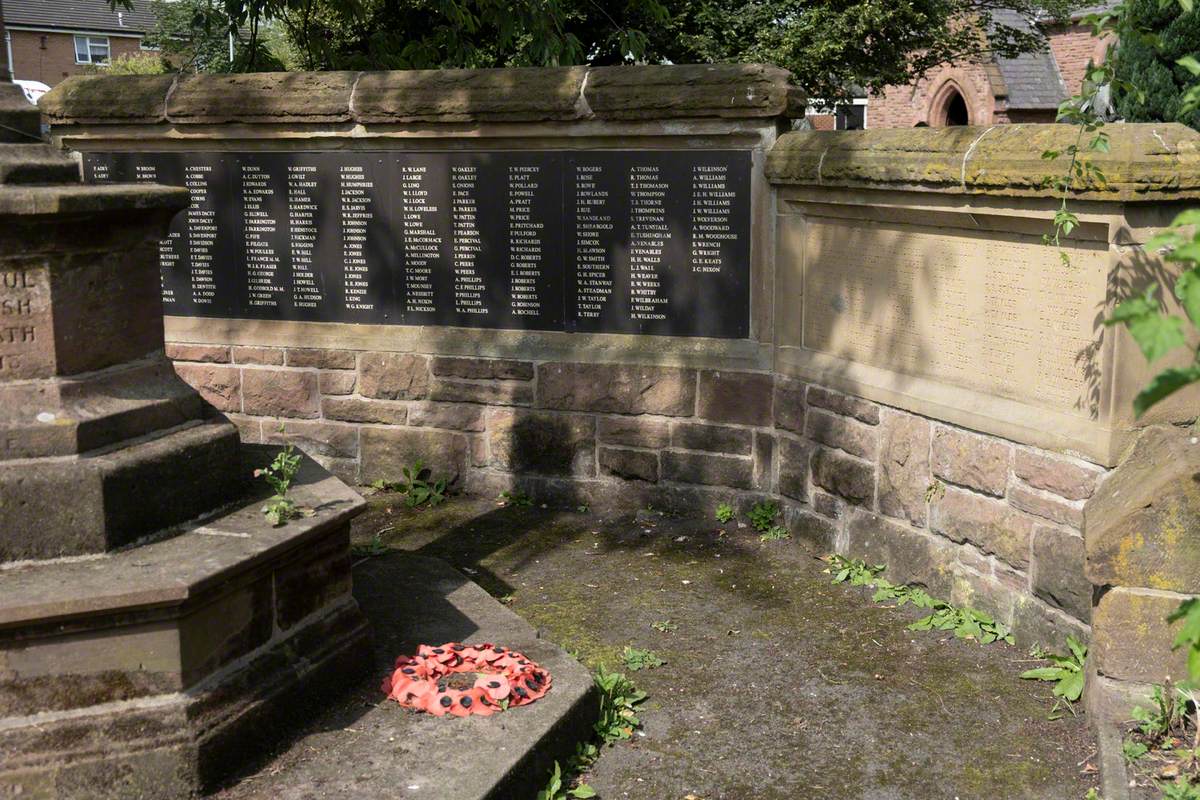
x=432, y=681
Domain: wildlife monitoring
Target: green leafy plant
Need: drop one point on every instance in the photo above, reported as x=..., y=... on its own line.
x=1066, y=672
x=665, y=626
x=419, y=487
x=279, y=474
x=901, y=594
x=1164, y=714
x=370, y=548
x=515, y=498
x=1132, y=751
x=774, y=533
x=619, y=701
x=967, y=623
x=855, y=570
x=637, y=659
x=763, y=515
x=1189, y=636
x=724, y=513
x=1182, y=788
x=557, y=790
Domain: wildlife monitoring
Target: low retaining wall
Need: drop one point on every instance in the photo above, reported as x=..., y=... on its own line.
x=924, y=384
x=976, y=518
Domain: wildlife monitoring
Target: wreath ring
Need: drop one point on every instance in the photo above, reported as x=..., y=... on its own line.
x=505, y=678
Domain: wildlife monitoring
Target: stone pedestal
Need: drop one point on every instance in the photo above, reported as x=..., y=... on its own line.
x=150, y=668
x=100, y=442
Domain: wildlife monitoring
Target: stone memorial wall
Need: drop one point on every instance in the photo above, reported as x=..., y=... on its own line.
x=863, y=326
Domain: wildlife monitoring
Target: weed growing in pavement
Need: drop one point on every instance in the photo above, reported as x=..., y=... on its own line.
x=774, y=533
x=1066, y=672
x=636, y=659
x=967, y=623
x=557, y=790
x=763, y=516
x=515, y=498
x=724, y=513
x=419, y=487
x=665, y=626
x=369, y=549
x=618, y=719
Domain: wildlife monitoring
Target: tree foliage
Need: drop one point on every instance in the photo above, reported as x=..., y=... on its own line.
x=1148, y=65
x=194, y=36
x=830, y=45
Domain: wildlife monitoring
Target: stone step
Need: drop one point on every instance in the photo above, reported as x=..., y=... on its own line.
x=36, y=163
x=368, y=746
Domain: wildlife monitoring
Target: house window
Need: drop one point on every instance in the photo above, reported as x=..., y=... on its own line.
x=91, y=49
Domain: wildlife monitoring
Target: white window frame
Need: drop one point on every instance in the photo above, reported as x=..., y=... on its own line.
x=89, y=41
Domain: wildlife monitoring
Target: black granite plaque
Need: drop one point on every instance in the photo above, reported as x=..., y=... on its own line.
x=638, y=241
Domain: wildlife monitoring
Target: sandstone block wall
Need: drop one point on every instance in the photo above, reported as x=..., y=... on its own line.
x=977, y=519
x=974, y=489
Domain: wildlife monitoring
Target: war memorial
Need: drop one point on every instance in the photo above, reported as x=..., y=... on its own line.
x=595, y=286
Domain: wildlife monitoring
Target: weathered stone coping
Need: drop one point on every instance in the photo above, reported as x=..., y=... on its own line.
x=523, y=94
x=170, y=573
x=1146, y=161
x=91, y=199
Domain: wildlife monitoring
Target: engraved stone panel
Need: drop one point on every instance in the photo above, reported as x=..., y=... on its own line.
x=26, y=340
x=1000, y=314
x=631, y=241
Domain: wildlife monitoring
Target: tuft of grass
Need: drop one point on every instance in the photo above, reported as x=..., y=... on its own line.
x=774, y=534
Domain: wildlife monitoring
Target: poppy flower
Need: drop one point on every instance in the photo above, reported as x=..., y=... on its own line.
x=483, y=706
x=496, y=687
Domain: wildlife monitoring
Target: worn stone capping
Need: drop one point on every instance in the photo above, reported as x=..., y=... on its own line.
x=1146, y=161
x=562, y=94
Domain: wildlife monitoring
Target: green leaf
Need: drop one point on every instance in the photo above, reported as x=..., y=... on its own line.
x=1189, y=62
x=583, y=790
x=1156, y=334
x=1189, y=217
x=1070, y=687
x=1164, y=384
x=1044, y=674
x=1189, y=632
x=1186, y=252
x=1167, y=240
x=1187, y=289
x=1135, y=307
x=1077, y=648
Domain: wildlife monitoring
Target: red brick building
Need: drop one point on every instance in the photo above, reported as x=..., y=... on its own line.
x=989, y=91
x=49, y=40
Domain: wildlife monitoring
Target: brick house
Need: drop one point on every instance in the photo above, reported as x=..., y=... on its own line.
x=49, y=40
x=988, y=91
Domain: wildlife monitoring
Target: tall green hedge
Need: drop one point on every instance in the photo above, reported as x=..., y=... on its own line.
x=1153, y=70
